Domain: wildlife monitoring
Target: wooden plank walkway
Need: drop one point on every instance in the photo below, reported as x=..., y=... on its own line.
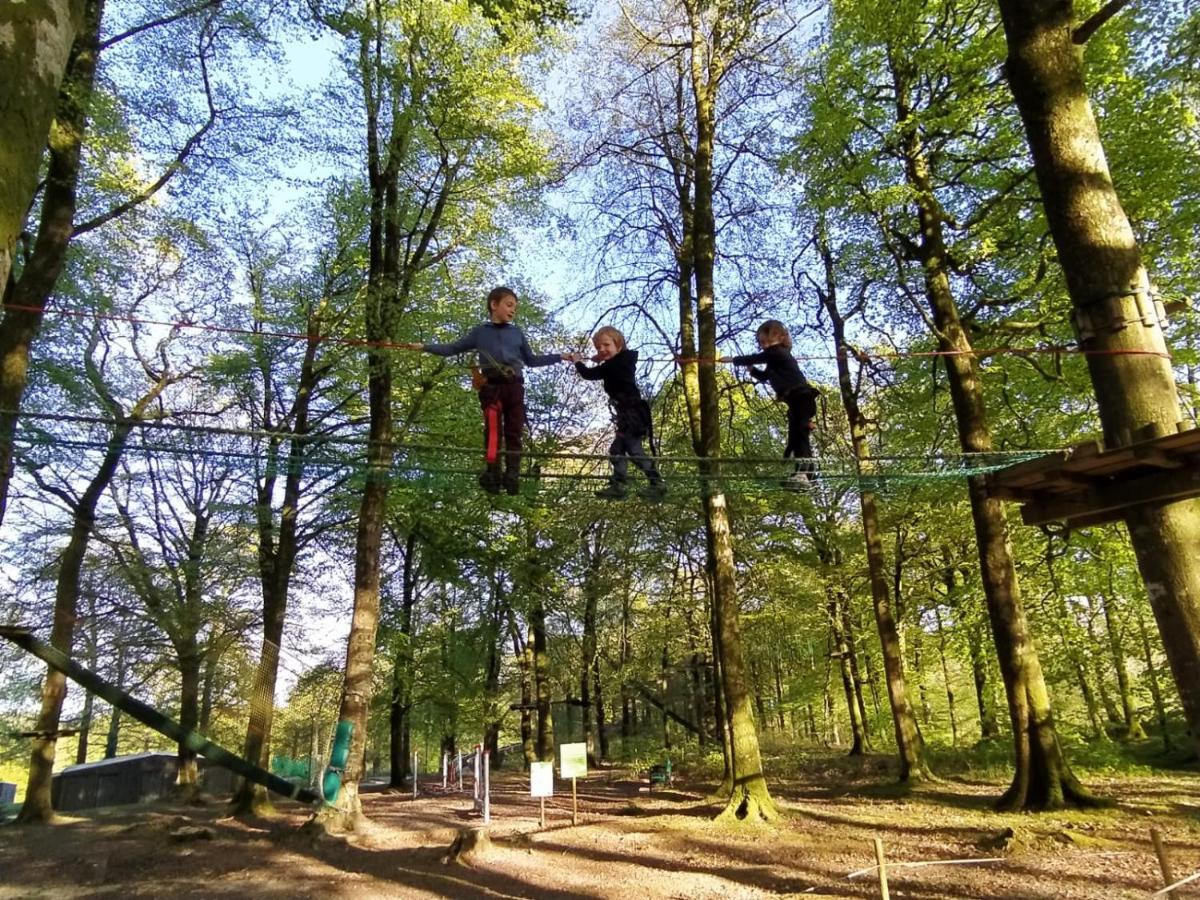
x=1089, y=485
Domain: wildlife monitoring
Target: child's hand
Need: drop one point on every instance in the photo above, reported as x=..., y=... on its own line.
x=724, y=359
x=572, y=357
x=411, y=345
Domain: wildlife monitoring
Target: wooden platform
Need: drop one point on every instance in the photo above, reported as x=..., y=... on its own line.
x=1088, y=485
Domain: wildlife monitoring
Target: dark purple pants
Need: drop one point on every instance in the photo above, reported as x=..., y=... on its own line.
x=503, y=405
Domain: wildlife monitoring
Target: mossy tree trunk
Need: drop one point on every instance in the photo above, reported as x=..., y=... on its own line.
x=36, y=47
x=750, y=799
x=1113, y=308
x=1043, y=779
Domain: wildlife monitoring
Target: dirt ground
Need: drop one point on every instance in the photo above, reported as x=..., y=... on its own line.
x=628, y=843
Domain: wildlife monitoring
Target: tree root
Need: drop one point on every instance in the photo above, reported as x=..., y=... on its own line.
x=749, y=805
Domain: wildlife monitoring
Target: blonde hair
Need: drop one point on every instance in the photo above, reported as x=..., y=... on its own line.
x=773, y=331
x=609, y=331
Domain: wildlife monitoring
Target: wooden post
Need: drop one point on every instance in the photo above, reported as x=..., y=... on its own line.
x=487, y=788
x=476, y=799
x=882, y=863
x=1160, y=850
x=574, y=805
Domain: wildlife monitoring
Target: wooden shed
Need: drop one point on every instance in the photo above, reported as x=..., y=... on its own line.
x=137, y=778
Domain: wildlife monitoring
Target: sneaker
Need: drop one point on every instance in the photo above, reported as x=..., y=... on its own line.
x=512, y=485
x=655, y=490
x=489, y=482
x=614, y=491
x=797, y=481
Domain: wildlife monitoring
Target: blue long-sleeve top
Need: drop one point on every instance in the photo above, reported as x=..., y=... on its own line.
x=780, y=370
x=501, y=346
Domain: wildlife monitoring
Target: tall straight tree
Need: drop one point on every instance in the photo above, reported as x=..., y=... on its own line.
x=715, y=34
x=287, y=407
x=1113, y=307
x=447, y=142
x=910, y=745
x=83, y=507
x=902, y=95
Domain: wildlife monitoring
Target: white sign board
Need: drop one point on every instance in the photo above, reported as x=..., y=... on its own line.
x=541, y=779
x=572, y=760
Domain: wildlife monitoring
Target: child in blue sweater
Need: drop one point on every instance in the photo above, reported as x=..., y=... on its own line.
x=503, y=355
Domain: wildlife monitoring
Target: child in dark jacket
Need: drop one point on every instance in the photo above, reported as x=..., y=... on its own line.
x=783, y=374
x=503, y=354
x=617, y=370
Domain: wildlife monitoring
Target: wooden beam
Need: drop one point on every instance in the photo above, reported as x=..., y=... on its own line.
x=1115, y=498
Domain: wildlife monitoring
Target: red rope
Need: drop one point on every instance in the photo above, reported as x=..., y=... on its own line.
x=491, y=415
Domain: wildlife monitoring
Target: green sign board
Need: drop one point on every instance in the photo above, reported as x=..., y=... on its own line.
x=572, y=760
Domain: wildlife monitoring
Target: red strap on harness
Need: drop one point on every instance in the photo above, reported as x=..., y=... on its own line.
x=491, y=415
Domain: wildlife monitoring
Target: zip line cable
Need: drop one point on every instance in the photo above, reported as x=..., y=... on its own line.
x=931, y=468
x=1008, y=456
x=1060, y=349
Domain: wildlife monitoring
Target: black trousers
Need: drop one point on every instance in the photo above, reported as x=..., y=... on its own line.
x=503, y=405
x=626, y=447
x=801, y=410
x=633, y=424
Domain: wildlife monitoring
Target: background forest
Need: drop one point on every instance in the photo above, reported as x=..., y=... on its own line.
x=261, y=199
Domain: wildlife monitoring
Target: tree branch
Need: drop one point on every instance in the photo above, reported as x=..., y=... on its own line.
x=1081, y=34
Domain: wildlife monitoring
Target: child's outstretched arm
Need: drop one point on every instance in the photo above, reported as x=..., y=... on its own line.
x=469, y=341
x=533, y=360
x=590, y=373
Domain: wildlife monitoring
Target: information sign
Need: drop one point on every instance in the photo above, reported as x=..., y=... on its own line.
x=541, y=779
x=572, y=760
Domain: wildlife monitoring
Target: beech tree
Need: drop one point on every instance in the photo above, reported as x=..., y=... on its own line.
x=1114, y=310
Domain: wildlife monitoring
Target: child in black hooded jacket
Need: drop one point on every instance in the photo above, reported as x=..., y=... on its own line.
x=783, y=374
x=616, y=369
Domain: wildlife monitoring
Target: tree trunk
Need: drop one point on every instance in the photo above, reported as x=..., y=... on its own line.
x=1042, y=780
x=1160, y=708
x=777, y=669
x=1113, y=309
x=364, y=622
x=187, y=780
x=855, y=675
x=1133, y=725
x=37, y=806
x=112, y=739
x=36, y=63
x=750, y=798
x=35, y=47
x=988, y=727
x=541, y=682
x=718, y=692
x=591, y=592
x=841, y=650
x=276, y=562
x=598, y=699
x=85, y=718
x=524, y=654
x=937, y=614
